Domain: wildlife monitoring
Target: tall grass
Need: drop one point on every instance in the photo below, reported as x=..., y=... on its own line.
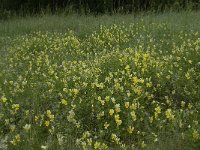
x=83, y=25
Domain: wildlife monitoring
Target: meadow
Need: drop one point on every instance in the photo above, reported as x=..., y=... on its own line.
x=106, y=82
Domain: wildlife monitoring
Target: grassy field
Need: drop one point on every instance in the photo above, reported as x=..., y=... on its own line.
x=104, y=82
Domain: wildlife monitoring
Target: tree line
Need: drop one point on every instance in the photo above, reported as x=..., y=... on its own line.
x=96, y=6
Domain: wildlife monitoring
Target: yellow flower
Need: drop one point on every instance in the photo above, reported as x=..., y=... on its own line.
x=102, y=102
x=36, y=118
x=3, y=99
x=27, y=127
x=86, y=135
x=135, y=80
x=127, y=67
x=51, y=117
x=75, y=91
x=48, y=113
x=117, y=108
x=89, y=141
x=189, y=105
x=111, y=112
x=190, y=61
x=169, y=114
x=18, y=138
x=157, y=111
x=107, y=98
x=64, y=102
x=99, y=115
x=123, y=146
x=143, y=145
x=84, y=145
x=130, y=129
x=149, y=84
x=65, y=90
x=106, y=125
x=117, y=117
x=137, y=90
x=133, y=106
x=182, y=104
x=97, y=145
x=15, y=107
x=150, y=119
x=113, y=100
x=126, y=105
x=117, y=120
x=104, y=146
x=133, y=115
x=187, y=75
x=13, y=142
x=115, y=138
x=47, y=123
x=99, y=98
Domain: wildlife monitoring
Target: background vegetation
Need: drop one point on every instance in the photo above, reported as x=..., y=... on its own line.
x=93, y=6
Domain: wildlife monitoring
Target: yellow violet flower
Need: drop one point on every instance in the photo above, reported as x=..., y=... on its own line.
x=47, y=123
x=189, y=105
x=182, y=104
x=18, y=138
x=117, y=108
x=107, y=98
x=3, y=99
x=111, y=112
x=133, y=115
x=106, y=125
x=169, y=114
x=130, y=129
x=64, y=102
x=127, y=105
x=97, y=145
x=27, y=127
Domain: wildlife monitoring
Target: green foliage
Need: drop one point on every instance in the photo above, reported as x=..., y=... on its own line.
x=96, y=6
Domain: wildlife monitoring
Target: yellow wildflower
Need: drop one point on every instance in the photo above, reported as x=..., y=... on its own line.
x=47, y=123
x=169, y=114
x=117, y=108
x=126, y=105
x=111, y=112
x=64, y=102
x=130, y=129
x=106, y=125
x=27, y=127
x=133, y=115
x=97, y=145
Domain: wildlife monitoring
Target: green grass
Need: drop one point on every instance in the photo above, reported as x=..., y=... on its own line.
x=162, y=37
x=83, y=25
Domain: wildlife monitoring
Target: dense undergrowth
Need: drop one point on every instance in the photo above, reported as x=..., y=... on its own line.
x=121, y=87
